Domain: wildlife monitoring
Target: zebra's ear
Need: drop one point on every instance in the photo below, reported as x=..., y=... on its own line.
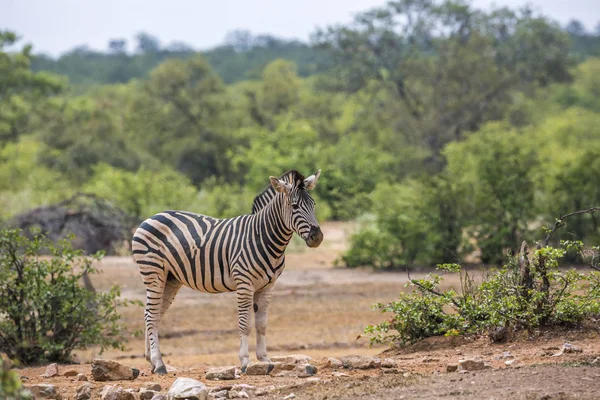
x=279, y=185
x=311, y=181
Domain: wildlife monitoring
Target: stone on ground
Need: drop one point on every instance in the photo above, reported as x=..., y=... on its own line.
x=152, y=386
x=51, y=370
x=292, y=359
x=388, y=363
x=451, y=367
x=84, y=392
x=471, y=364
x=109, y=370
x=70, y=373
x=361, y=362
x=187, y=388
x=159, y=396
x=260, y=368
x=221, y=373
x=81, y=378
x=44, y=391
x=147, y=394
x=331, y=362
x=116, y=393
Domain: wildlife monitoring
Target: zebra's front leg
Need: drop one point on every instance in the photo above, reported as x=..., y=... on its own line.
x=262, y=299
x=245, y=295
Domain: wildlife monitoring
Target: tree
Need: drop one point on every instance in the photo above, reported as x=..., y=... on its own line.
x=22, y=92
x=117, y=46
x=446, y=68
x=147, y=43
x=575, y=27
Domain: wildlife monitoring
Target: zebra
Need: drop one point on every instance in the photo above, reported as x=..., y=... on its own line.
x=244, y=254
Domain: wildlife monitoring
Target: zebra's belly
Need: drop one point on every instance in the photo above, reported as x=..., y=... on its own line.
x=214, y=278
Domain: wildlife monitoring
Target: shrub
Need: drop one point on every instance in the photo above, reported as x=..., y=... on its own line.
x=415, y=221
x=525, y=294
x=11, y=387
x=44, y=312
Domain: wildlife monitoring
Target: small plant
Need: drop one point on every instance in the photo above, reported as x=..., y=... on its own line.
x=525, y=294
x=44, y=311
x=11, y=387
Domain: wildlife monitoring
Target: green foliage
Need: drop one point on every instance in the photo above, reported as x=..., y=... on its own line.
x=518, y=296
x=414, y=221
x=22, y=92
x=144, y=192
x=24, y=182
x=11, y=387
x=45, y=312
x=493, y=170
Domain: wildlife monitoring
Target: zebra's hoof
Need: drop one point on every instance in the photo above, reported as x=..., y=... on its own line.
x=244, y=368
x=162, y=370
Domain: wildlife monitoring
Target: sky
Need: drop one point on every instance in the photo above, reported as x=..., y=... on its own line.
x=56, y=26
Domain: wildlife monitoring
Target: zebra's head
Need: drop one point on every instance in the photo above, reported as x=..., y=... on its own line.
x=299, y=207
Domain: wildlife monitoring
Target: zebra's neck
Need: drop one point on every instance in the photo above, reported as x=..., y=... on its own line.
x=270, y=227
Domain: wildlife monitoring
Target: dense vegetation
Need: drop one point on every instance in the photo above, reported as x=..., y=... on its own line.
x=444, y=129
x=530, y=292
x=45, y=312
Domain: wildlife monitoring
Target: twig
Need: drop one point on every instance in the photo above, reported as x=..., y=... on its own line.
x=561, y=222
x=435, y=292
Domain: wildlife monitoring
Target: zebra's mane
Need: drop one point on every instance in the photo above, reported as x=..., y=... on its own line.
x=294, y=177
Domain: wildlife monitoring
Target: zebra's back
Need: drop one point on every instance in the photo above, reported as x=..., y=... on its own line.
x=192, y=248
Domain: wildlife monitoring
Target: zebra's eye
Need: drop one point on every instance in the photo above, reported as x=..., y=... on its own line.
x=295, y=206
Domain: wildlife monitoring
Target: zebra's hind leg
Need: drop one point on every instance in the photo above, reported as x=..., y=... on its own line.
x=245, y=295
x=170, y=290
x=262, y=299
x=152, y=316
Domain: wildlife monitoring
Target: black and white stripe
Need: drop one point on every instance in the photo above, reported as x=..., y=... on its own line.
x=243, y=254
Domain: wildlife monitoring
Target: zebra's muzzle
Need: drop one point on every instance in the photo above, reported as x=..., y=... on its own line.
x=315, y=237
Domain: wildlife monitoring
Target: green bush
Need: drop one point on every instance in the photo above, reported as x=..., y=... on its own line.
x=415, y=221
x=522, y=295
x=11, y=387
x=44, y=312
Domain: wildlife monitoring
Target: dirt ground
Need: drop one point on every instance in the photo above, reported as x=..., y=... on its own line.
x=320, y=310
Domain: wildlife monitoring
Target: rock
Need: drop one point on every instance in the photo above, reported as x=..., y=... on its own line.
x=388, y=363
x=84, y=392
x=570, y=348
x=596, y=360
x=512, y=363
x=259, y=368
x=298, y=371
x=221, y=373
x=245, y=387
x=292, y=359
x=44, y=391
x=152, y=386
x=70, y=372
x=51, y=370
x=109, y=370
x=290, y=396
x=265, y=390
x=221, y=394
x=451, y=367
x=238, y=394
x=360, y=362
x=471, y=365
x=147, y=394
x=159, y=396
x=81, y=378
x=116, y=393
x=428, y=359
x=331, y=362
x=279, y=367
x=339, y=374
x=187, y=388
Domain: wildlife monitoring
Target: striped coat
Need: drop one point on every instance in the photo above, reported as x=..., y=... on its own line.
x=244, y=254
